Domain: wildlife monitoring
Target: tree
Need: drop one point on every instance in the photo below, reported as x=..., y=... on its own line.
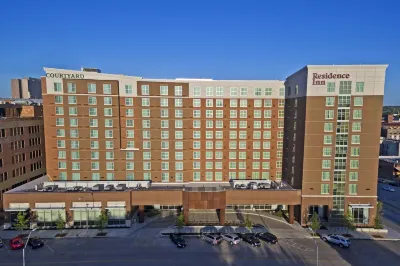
x=102, y=220
x=378, y=218
x=315, y=223
x=247, y=222
x=22, y=221
x=180, y=221
x=349, y=221
x=60, y=223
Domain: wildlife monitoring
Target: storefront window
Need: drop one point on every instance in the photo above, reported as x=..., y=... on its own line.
x=360, y=215
x=86, y=217
x=116, y=216
x=49, y=217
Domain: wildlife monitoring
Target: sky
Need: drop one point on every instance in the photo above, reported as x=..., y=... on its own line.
x=198, y=39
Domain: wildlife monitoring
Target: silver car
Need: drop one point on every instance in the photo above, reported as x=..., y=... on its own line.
x=232, y=239
x=212, y=239
x=339, y=240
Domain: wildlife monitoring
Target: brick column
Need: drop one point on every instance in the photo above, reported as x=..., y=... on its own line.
x=291, y=214
x=222, y=216
x=141, y=213
x=186, y=215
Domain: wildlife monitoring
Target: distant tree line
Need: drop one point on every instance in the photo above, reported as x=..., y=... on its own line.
x=391, y=110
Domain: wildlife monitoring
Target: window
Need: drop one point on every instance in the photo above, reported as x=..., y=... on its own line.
x=233, y=103
x=62, y=154
x=59, y=110
x=328, y=139
x=91, y=88
x=232, y=135
x=107, y=111
x=257, y=103
x=109, y=155
x=178, y=166
x=219, y=103
x=146, y=112
x=281, y=103
x=324, y=188
x=145, y=89
x=146, y=123
x=109, y=144
x=219, y=91
x=355, y=151
x=94, y=144
x=73, y=111
x=94, y=155
x=257, y=113
x=178, y=113
x=356, y=126
x=128, y=89
x=62, y=165
x=74, y=133
x=326, y=164
x=129, y=122
x=267, y=113
x=357, y=114
x=353, y=189
x=331, y=87
x=209, y=91
x=281, y=92
x=146, y=134
x=178, y=135
x=59, y=121
x=209, y=123
x=268, y=103
x=129, y=155
x=73, y=122
x=178, y=145
x=196, y=91
x=163, y=90
x=60, y=143
x=243, y=113
x=327, y=151
x=281, y=113
x=145, y=102
x=178, y=103
x=359, y=86
x=60, y=133
x=243, y=103
x=233, y=91
x=354, y=164
x=146, y=155
x=74, y=144
x=209, y=134
x=179, y=155
x=146, y=166
x=92, y=111
x=57, y=87
x=164, y=102
x=129, y=101
x=326, y=176
x=178, y=123
x=108, y=134
x=71, y=87
x=330, y=101
x=76, y=166
x=58, y=99
x=71, y=99
x=268, y=92
x=345, y=87
x=353, y=176
x=164, y=156
x=164, y=113
x=355, y=139
x=92, y=100
x=209, y=103
x=178, y=90
x=329, y=114
x=328, y=127
x=130, y=134
x=257, y=92
x=358, y=101
x=267, y=124
x=107, y=88
x=243, y=91
x=219, y=124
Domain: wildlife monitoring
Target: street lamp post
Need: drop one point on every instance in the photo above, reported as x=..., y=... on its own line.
x=315, y=242
x=23, y=250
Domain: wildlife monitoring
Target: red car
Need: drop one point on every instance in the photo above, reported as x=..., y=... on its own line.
x=16, y=243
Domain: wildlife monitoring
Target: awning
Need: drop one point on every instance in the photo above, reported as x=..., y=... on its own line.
x=48, y=208
x=16, y=210
x=365, y=206
x=85, y=208
x=115, y=207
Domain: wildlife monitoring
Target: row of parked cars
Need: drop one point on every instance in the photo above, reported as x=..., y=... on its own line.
x=19, y=243
x=232, y=239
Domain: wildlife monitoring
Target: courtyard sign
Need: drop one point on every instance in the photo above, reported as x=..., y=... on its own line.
x=65, y=76
x=319, y=79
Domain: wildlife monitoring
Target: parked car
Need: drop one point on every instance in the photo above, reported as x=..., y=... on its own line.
x=252, y=185
x=251, y=239
x=240, y=186
x=264, y=185
x=16, y=243
x=212, y=239
x=268, y=237
x=178, y=240
x=388, y=188
x=1, y=243
x=35, y=242
x=339, y=240
x=232, y=239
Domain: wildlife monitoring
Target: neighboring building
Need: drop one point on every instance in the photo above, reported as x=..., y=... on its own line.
x=389, y=169
x=390, y=147
x=26, y=88
x=191, y=141
x=22, y=156
x=390, y=127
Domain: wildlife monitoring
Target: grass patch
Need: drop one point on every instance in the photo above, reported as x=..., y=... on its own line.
x=61, y=235
x=377, y=236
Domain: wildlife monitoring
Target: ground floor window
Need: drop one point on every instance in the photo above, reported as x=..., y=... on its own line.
x=86, y=217
x=49, y=217
x=170, y=207
x=116, y=216
x=360, y=215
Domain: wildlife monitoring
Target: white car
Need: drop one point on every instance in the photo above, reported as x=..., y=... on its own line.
x=232, y=239
x=388, y=188
x=339, y=240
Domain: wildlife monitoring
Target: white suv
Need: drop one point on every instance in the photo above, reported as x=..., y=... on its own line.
x=233, y=239
x=339, y=240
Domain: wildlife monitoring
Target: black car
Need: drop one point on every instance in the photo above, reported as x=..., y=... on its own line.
x=251, y=239
x=268, y=237
x=178, y=240
x=1, y=243
x=35, y=242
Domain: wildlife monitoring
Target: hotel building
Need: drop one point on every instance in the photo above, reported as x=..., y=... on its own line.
x=312, y=139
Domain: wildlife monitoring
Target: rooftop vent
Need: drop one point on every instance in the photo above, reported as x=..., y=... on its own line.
x=85, y=69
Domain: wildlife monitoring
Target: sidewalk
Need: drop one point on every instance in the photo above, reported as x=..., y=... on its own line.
x=81, y=233
x=392, y=235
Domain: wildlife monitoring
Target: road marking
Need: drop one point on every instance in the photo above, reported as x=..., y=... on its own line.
x=49, y=248
x=296, y=245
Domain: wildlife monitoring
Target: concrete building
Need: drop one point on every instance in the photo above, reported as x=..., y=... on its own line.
x=22, y=156
x=389, y=169
x=390, y=147
x=26, y=88
x=191, y=143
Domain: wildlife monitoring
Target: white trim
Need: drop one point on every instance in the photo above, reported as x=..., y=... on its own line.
x=48, y=208
x=16, y=210
x=84, y=208
x=115, y=207
x=365, y=206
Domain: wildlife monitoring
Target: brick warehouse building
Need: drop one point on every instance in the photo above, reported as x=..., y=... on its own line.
x=312, y=140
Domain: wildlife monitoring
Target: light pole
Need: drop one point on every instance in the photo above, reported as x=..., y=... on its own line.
x=23, y=250
x=315, y=242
